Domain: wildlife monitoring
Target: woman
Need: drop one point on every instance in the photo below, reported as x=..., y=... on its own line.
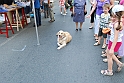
x=99, y=10
x=78, y=12
x=92, y=15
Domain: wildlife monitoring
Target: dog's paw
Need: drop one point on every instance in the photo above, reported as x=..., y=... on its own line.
x=58, y=48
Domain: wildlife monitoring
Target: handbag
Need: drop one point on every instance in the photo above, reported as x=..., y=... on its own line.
x=85, y=13
x=106, y=30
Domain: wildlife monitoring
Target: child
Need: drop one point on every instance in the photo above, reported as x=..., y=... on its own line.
x=108, y=38
x=115, y=40
x=104, y=21
x=62, y=5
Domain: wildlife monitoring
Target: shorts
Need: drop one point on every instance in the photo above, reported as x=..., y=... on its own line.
x=101, y=33
x=117, y=46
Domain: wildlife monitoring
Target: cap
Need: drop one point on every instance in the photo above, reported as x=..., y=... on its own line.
x=117, y=8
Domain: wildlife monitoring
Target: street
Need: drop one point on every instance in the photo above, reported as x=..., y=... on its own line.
x=23, y=61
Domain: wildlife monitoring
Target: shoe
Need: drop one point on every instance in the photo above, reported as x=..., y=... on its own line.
x=91, y=27
x=103, y=46
x=105, y=60
x=96, y=44
x=76, y=29
x=120, y=67
x=103, y=55
x=64, y=14
x=96, y=40
x=106, y=73
x=61, y=12
x=72, y=15
x=80, y=29
x=51, y=21
x=35, y=26
x=103, y=52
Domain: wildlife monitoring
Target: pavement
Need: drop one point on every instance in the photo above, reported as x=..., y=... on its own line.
x=23, y=61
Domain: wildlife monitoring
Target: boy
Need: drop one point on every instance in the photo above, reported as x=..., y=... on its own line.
x=104, y=22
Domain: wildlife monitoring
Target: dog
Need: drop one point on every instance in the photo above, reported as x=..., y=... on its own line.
x=63, y=38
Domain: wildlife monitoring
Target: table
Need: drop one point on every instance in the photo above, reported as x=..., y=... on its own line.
x=15, y=21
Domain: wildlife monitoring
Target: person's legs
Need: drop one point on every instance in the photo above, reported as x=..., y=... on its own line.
x=96, y=28
x=110, y=61
x=45, y=10
x=61, y=10
x=98, y=42
x=76, y=26
x=51, y=13
x=92, y=20
x=39, y=17
x=81, y=23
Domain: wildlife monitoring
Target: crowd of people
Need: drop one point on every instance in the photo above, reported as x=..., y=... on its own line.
x=106, y=19
x=110, y=16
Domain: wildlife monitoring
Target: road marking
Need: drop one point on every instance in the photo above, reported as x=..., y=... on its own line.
x=19, y=50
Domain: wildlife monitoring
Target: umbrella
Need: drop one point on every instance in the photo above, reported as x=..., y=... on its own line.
x=35, y=23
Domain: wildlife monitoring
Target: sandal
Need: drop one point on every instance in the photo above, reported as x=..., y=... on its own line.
x=103, y=52
x=120, y=67
x=96, y=40
x=105, y=60
x=106, y=72
x=51, y=21
x=103, y=55
x=119, y=57
x=96, y=44
x=103, y=46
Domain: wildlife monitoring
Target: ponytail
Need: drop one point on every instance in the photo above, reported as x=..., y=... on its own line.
x=119, y=15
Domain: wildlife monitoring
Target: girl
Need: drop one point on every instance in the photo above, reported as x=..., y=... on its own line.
x=62, y=5
x=115, y=40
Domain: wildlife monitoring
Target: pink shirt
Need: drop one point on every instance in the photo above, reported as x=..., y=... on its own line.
x=122, y=2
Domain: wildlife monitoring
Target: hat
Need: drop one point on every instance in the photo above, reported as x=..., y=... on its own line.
x=117, y=8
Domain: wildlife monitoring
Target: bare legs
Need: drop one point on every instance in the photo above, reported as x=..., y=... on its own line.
x=81, y=23
x=110, y=61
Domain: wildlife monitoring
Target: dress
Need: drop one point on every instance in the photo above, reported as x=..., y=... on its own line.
x=79, y=10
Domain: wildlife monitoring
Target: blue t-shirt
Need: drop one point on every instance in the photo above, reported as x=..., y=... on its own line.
x=37, y=3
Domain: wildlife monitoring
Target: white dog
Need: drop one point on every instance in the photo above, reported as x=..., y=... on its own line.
x=63, y=38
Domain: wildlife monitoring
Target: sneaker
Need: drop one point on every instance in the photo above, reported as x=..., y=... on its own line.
x=64, y=14
x=61, y=12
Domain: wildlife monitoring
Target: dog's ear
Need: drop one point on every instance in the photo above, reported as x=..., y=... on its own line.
x=57, y=33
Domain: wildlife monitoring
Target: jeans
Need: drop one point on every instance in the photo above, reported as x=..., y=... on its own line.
x=38, y=16
x=96, y=26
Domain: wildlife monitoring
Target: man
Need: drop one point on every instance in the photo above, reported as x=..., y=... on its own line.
x=37, y=12
x=46, y=13
x=50, y=10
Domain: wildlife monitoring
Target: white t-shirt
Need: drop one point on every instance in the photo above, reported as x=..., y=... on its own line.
x=120, y=35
